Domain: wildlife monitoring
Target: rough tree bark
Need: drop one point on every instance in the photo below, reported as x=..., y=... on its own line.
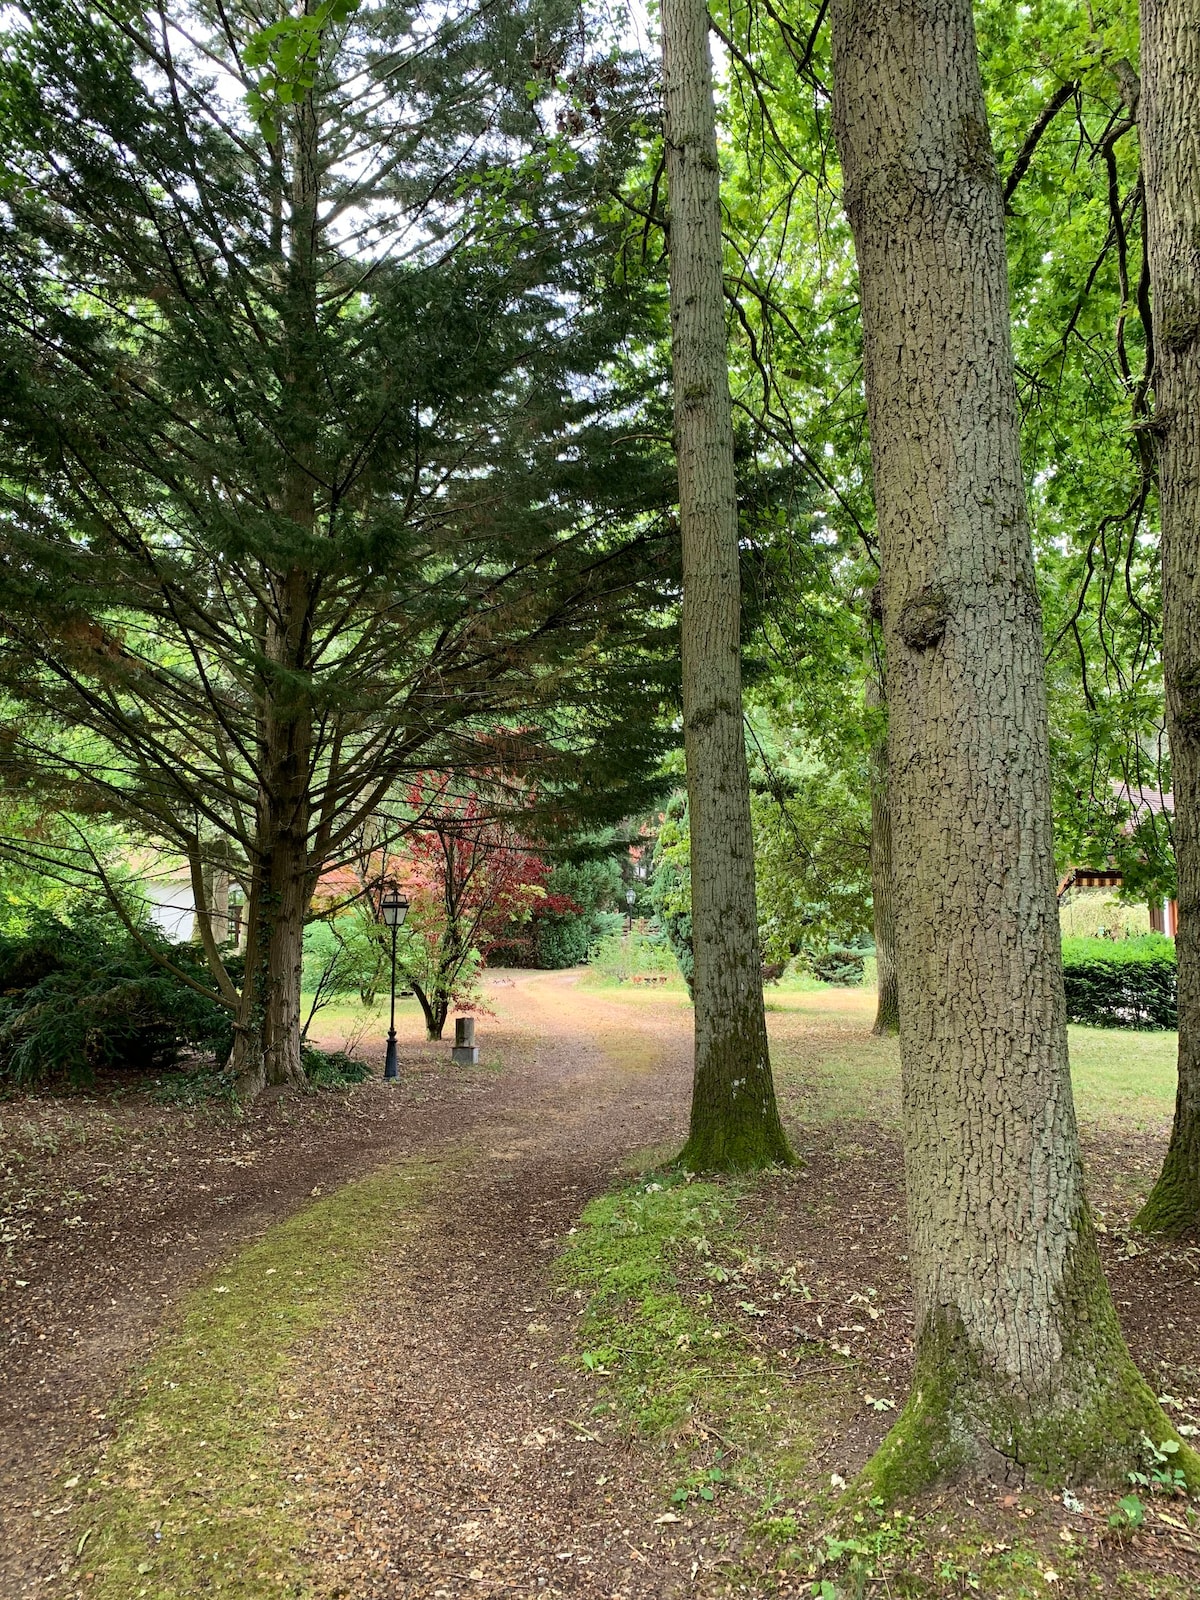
x=1021, y=1366
x=735, y=1121
x=1169, y=127
x=883, y=902
x=267, y=1045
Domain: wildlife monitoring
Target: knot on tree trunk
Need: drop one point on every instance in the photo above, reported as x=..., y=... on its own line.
x=923, y=617
x=1186, y=698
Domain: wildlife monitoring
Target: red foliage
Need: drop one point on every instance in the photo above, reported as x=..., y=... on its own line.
x=464, y=868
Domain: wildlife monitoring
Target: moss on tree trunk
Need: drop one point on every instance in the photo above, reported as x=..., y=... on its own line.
x=1085, y=1422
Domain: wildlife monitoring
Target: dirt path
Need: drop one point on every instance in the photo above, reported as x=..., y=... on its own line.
x=442, y=1436
x=114, y=1210
x=457, y=1452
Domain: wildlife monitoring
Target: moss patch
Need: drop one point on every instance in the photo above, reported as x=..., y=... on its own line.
x=192, y=1496
x=725, y=1414
x=1100, y=1428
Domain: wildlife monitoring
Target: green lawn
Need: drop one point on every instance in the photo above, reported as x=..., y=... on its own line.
x=829, y=1065
x=832, y=1068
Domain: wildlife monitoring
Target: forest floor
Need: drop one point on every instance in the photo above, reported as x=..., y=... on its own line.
x=461, y=1337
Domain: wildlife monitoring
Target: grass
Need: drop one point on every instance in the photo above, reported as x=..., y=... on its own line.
x=831, y=1067
x=685, y=1377
x=192, y=1496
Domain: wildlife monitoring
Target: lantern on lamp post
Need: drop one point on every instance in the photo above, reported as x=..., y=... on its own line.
x=393, y=908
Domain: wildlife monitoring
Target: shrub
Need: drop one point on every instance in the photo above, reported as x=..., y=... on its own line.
x=332, y=1069
x=1121, y=983
x=1146, y=947
x=561, y=938
x=81, y=996
x=629, y=957
x=839, y=963
x=677, y=926
x=559, y=930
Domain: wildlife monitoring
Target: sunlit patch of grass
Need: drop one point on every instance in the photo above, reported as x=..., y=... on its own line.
x=832, y=1067
x=1121, y=1076
x=192, y=1496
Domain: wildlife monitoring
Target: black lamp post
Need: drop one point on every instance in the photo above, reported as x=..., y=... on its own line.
x=393, y=908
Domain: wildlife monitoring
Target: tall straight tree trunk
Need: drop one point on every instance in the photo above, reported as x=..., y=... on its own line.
x=735, y=1121
x=267, y=1046
x=1169, y=119
x=883, y=900
x=1020, y=1362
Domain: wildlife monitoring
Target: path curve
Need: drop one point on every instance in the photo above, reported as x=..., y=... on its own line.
x=582, y=1084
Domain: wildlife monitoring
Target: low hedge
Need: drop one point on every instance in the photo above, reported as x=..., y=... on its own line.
x=1121, y=983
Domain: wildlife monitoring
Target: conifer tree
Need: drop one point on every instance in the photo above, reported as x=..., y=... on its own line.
x=318, y=465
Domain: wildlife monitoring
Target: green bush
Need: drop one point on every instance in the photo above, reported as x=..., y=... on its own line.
x=839, y=963
x=83, y=996
x=561, y=938
x=567, y=923
x=677, y=928
x=1146, y=947
x=332, y=1069
x=1121, y=983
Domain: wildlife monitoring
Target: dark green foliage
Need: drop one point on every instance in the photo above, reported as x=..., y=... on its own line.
x=580, y=894
x=1126, y=983
x=85, y=996
x=333, y=1069
x=839, y=963
x=562, y=938
x=376, y=473
x=576, y=911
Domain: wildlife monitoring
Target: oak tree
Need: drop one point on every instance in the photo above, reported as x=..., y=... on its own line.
x=1020, y=1362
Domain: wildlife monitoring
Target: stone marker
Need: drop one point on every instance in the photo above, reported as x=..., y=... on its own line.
x=465, y=1051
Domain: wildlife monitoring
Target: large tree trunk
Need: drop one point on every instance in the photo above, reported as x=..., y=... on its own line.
x=1169, y=118
x=1020, y=1363
x=883, y=900
x=267, y=1046
x=735, y=1122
